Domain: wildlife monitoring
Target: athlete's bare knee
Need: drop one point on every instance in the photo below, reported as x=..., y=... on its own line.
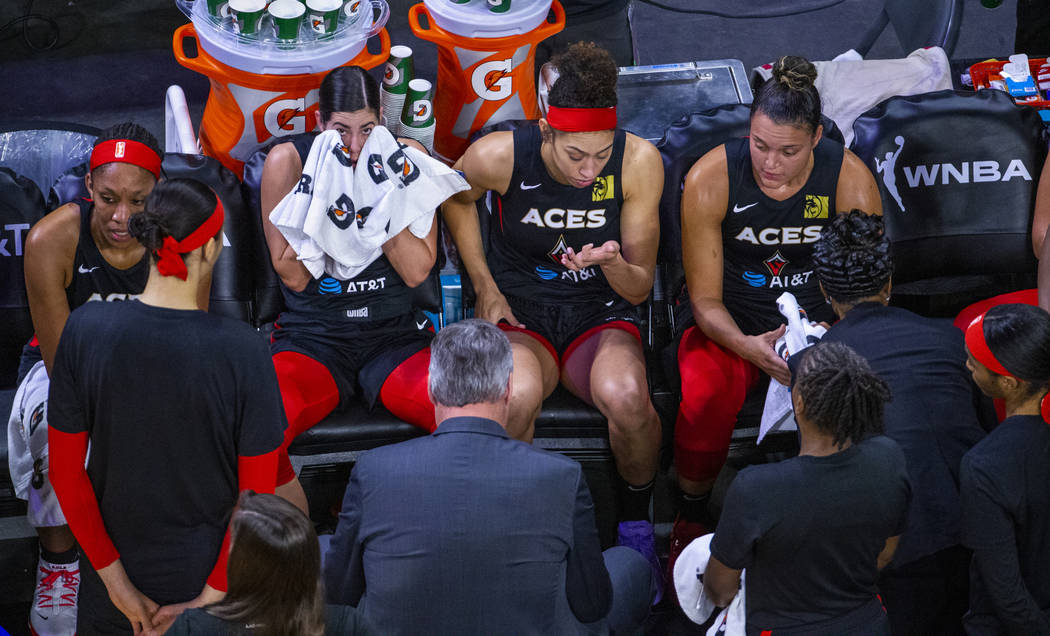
x=622, y=397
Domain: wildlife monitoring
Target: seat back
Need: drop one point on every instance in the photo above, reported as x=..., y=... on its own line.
x=45, y=152
x=683, y=143
x=231, y=281
x=917, y=24
x=268, y=301
x=21, y=206
x=957, y=173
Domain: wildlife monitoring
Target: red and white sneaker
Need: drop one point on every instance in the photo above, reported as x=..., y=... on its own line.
x=54, y=611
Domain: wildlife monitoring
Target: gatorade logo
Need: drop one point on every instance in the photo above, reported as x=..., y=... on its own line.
x=375, y=168
x=118, y=149
x=421, y=110
x=491, y=80
x=392, y=75
x=403, y=167
x=282, y=116
x=342, y=212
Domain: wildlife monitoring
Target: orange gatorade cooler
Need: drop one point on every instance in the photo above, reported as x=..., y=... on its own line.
x=262, y=86
x=485, y=63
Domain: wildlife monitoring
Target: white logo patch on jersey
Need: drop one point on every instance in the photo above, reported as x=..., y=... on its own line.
x=561, y=219
x=780, y=235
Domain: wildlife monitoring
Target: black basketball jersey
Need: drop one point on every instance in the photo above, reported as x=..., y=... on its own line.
x=768, y=244
x=93, y=279
x=376, y=293
x=538, y=219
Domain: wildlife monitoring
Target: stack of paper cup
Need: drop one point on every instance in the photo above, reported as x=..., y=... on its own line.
x=417, y=117
x=396, y=76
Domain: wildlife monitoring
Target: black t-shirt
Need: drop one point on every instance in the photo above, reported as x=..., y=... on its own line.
x=1006, y=521
x=170, y=399
x=809, y=531
x=931, y=414
x=538, y=219
x=340, y=620
x=767, y=245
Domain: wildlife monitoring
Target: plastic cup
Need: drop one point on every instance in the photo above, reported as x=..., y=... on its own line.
x=218, y=8
x=354, y=9
x=324, y=15
x=418, y=111
x=247, y=15
x=287, y=16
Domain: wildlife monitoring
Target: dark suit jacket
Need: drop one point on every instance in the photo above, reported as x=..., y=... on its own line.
x=467, y=531
x=932, y=413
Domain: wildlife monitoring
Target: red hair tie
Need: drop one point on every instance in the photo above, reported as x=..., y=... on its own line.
x=126, y=151
x=581, y=119
x=169, y=259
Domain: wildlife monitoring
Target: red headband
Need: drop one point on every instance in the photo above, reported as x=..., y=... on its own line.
x=581, y=119
x=126, y=151
x=978, y=348
x=169, y=263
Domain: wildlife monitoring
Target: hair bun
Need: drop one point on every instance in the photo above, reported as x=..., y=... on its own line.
x=797, y=73
x=149, y=229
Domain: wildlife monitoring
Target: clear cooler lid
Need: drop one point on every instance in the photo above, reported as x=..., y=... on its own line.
x=474, y=20
x=650, y=98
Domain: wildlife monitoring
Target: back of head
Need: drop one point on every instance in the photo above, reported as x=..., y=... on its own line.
x=852, y=258
x=175, y=207
x=586, y=77
x=470, y=363
x=1019, y=338
x=790, y=98
x=347, y=89
x=840, y=393
x=274, y=569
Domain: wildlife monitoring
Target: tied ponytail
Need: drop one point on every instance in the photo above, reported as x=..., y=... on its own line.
x=791, y=97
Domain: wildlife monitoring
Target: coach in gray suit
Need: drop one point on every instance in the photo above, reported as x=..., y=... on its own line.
x=467, y=531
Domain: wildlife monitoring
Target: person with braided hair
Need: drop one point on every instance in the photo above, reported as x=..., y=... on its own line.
x=1006, y=477
x=935, y=416
x=751, y=210
x=814, y=530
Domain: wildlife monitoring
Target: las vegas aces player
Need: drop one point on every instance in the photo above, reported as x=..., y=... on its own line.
x=573, y=250
x=752, y=209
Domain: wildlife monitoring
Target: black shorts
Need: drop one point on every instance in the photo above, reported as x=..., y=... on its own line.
x=560, y=327
x=359, y=355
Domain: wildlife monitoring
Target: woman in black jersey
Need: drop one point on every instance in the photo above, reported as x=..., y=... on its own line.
x=80, y=252
x=814, y=530
x=182, y=412
x=1005, y=481
x=321, y=351
x=573, y=249
x=751, y=210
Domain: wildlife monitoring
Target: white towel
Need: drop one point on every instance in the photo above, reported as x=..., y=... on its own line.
x=688, y=569
x=338, y=218
x=850, y=85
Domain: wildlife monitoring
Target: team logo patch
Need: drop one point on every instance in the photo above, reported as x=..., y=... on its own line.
x=816, y=207
x=775, y=263
x=560, y=247
x=604, y=188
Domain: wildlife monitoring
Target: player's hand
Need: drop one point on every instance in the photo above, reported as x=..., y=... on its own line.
x=589, y=255
x=492, y=306
x=760, y=352
x=166, y=615
x=133, y=604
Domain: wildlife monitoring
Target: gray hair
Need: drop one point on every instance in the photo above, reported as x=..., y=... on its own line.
x=470, y=363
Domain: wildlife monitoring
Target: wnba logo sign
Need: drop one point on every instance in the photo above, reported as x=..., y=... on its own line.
x=421, y=110
x=119, y=149
x=491, y=81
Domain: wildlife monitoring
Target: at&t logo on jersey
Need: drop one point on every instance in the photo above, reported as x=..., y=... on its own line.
x=492, y=81
x=563, y=219
x=604, y=188
x=780, y=235
x=329, y=285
